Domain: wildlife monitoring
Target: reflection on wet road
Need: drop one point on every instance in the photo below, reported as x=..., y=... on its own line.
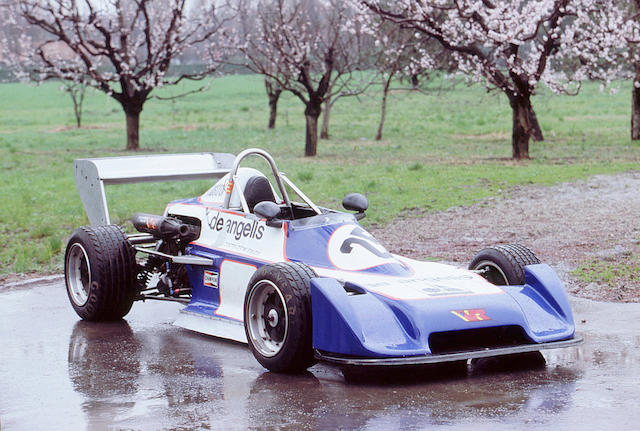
x=57, y=372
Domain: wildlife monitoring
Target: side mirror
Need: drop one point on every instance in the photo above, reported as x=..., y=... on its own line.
x=270, y=211
x=356, y=202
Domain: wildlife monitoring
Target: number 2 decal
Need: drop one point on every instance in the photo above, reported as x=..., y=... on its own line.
x=354, y=249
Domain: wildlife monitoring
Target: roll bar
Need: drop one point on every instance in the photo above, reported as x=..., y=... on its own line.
x=233, y=177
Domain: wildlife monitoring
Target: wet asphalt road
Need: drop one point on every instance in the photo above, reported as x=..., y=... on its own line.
x=57, y=372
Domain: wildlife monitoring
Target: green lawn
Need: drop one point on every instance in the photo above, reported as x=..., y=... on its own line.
x=446, y=148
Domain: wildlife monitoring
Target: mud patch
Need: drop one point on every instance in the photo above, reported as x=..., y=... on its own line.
x=567, y=225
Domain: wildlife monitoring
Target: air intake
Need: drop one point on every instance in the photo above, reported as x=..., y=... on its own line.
x=477, y=339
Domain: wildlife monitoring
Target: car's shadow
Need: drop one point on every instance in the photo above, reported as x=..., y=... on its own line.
x=419, y=374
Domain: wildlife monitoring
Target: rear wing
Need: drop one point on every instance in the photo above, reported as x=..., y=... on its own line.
x=93, y=174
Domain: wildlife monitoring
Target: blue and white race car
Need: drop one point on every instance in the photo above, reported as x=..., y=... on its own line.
x=300, y=283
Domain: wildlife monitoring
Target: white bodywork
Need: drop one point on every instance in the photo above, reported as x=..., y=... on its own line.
x=234, y=233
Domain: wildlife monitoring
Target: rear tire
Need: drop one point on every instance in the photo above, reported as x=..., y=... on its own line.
x=277, y=317
x=504, y=264
x=100, y=272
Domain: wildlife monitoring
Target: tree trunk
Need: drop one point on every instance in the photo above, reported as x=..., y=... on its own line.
x=635, y=108
x=77, y=110
x=324, y=131
x=77, y=106
x=536, y=131
x=383, y=109
x=132, y=102
x=133, y=129
x=77, y=92
x=521, y=133
x=311, y=114
x=273, y=107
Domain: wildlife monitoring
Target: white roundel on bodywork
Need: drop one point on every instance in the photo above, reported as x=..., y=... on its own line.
x=216, y=194
x=351, y=248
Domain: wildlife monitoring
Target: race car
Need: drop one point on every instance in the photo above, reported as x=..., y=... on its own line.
x=297, y=282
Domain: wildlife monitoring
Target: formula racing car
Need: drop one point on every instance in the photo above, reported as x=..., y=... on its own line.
x=298, y=282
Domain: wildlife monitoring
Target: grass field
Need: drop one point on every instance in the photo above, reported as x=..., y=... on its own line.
x=446, y=148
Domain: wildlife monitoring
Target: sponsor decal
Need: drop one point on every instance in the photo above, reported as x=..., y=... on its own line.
x=253, y=229
x=229, y=187
x=210, y=279
x=431, y=282
x=427, y=285
x=241, y=248
x=472, y=315
x=215, y=193
x=149, y=222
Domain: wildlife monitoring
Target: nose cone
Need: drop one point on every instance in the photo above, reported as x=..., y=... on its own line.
x=427, y=318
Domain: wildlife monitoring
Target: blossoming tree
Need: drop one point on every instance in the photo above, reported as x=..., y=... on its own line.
x=507, y=45
x=123, y=48
x=624, y=22
x=398, y=54
x=306, y=47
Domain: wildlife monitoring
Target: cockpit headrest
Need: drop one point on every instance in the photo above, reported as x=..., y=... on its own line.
x=256, y=190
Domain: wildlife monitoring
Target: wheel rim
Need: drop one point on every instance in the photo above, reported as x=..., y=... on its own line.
x=78, y=274
x=493, y=273
x=267, y=320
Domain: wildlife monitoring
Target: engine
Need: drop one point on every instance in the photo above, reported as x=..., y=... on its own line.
x=158, y=275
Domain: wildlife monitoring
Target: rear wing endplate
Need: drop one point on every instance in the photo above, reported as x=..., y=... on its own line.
x=93, y=174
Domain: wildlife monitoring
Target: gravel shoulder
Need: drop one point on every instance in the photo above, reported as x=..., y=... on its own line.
x=594, y=222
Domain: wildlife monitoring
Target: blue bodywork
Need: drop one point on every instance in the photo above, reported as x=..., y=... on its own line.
x=370, y=325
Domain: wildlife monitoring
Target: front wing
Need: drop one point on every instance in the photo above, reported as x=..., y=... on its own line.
x=450, y=357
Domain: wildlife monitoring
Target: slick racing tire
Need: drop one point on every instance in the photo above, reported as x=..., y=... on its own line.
x=277, y=317
x=504, y=264
x=100, y=272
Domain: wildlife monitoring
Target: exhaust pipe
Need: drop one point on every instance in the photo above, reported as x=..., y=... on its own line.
x=164, y=227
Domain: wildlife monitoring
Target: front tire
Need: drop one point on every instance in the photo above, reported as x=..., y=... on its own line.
x=504, y=264
x=277, y=317
x=100, y=273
